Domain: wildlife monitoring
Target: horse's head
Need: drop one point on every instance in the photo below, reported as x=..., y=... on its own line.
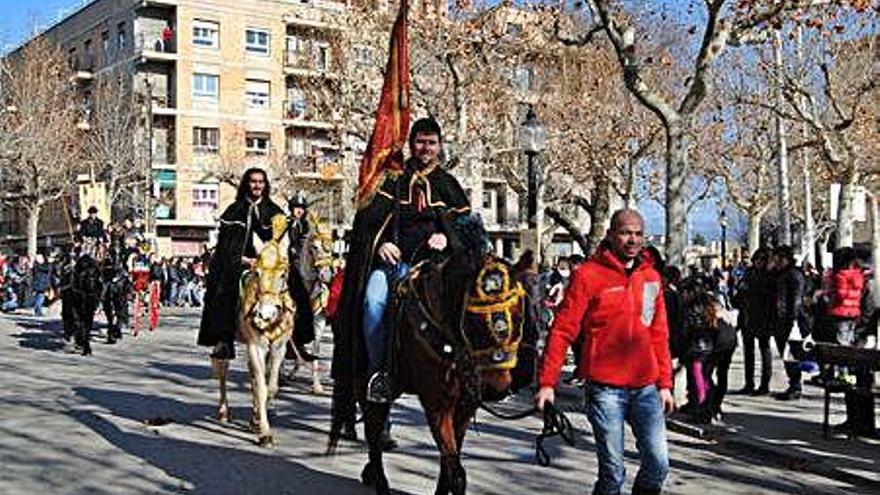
x=493, y=325
x=271, y=296
x=87, y=276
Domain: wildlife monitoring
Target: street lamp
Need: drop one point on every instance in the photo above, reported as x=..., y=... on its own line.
x=532, y=135
x=723, y=222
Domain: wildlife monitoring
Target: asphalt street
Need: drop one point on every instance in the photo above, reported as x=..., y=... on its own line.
x=137, y=418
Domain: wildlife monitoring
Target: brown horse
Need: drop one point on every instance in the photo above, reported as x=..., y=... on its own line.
x=265, y=324
x=455, y=345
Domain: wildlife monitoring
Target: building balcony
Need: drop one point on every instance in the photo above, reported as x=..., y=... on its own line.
x=150, y=47
x=306, y=64
x=83, y=69
x=158, y=3
x=162, y=104
x=297, y=114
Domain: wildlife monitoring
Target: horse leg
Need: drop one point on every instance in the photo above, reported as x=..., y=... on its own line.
x=259, y=390
x=275, y=358
x=452, y=475
x=220, y=369
x=110, y=314
x=373, y=473
x=86, y=329
x=317, y=387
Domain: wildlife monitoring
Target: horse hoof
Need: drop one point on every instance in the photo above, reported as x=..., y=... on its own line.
x=223, y=417
x=368, y=475
x=266, y=441
x=317, y=389
x=87, y=351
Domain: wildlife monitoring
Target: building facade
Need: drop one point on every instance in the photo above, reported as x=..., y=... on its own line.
x=223, y=86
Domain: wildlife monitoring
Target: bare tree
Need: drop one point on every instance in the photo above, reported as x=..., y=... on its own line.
x=722, y=24
x=110, y=148
x=39, y=140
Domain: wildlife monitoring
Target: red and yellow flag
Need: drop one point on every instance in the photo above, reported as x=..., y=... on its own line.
x=392, y=116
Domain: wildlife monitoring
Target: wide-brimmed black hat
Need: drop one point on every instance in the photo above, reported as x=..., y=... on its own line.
x=298, y=201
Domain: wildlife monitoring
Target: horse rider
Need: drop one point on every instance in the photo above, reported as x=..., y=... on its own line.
x=410, y=214
x=251, y=213
x=302, y=274
x=91, y=233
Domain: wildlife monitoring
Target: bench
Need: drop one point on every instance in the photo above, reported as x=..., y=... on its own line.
x=833, y=354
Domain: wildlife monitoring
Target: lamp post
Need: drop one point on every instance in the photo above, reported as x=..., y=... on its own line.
x=723, y=222
x=532, y=135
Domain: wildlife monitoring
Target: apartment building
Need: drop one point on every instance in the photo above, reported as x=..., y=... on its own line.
x=226, y=85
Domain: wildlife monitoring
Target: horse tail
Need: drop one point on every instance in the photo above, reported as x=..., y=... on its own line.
x=342, y=412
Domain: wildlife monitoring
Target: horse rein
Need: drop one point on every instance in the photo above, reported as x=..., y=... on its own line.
x=555, y=423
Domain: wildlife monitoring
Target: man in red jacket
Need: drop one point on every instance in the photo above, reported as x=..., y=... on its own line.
x=616, y=300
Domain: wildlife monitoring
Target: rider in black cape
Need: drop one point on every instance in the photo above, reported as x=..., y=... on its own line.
x=251, y=213
x=388, y=216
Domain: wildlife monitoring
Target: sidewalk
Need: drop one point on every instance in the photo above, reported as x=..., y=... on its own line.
x=786, y=434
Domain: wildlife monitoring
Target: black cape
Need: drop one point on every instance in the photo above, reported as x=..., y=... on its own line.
x=371, y=224
x=220, y=311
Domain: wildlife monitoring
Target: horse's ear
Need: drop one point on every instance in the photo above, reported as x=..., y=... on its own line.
x=258, y=244
x=284, y=244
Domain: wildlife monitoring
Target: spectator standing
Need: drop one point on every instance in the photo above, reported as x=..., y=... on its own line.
x=626, y=365
x=42, y=282
x=754, y=301
x=790, y=285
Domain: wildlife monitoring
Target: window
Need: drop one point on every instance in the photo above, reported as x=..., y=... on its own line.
x=256, y=143
x=322, y=56
x=363, y=56
x=206, y=34
x=206, y=139
x=120, y=37
x=205, y=86
x=257, y=41
x=514, y=30
x=524, y=78
x=90, y=55
x=296, y=146
x=105, y=43
x=295, y=106
x=206, y=196
x=256, y=93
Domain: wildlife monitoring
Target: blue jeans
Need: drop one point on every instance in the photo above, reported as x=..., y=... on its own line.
x=607, y=409
x=375, y=302
x=39, y=300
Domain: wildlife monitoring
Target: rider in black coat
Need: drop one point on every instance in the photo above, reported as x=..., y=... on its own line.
x=251, y=213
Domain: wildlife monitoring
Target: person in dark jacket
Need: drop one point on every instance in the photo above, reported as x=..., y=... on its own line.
x=302, y=275
x=790, y=284
x=754, y=297
x=251, y=213
x=42, y=282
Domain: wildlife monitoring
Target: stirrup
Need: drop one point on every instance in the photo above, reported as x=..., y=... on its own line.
x=379, y=388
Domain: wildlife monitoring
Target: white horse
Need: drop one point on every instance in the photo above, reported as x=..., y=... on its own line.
x=265, y=324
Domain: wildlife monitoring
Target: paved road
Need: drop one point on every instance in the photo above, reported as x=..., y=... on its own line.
x=72, y=424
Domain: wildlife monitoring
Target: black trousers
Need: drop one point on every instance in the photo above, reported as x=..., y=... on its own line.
x=792, y=368
x=749, y=338
x=304, y=324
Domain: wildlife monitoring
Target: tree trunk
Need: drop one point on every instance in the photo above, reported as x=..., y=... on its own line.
x=755, y=218
x=782, y=185
x=676, y=194
x=33, y=226
x=845, y=214
x=600, y=214
x=571, y=227
x=809, y=240
x=875, y=246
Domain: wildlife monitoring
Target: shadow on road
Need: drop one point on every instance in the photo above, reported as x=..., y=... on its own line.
x=41, y=335
x=211, y=469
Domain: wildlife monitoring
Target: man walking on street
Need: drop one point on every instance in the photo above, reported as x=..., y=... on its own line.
x=615, y=300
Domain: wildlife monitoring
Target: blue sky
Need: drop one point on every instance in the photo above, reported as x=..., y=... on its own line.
x=18, y=17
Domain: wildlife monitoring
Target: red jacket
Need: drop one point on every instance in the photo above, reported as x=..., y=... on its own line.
x=335, y=293
x=623, y=318
x=846, y=293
